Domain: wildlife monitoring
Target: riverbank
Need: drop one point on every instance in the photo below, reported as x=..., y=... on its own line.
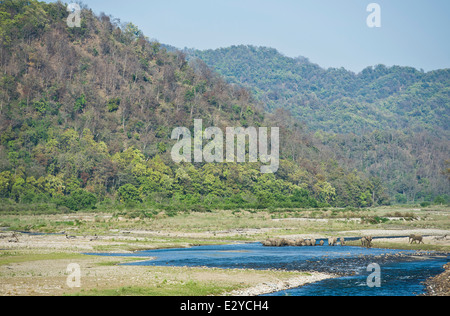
x=37, y=265
x=43, y=272
x=269, y=288
x=439, y=285
x=35, y=262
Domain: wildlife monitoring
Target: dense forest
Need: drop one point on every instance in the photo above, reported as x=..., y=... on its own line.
x=337, y=100
x=387, y=122
x=86, y=115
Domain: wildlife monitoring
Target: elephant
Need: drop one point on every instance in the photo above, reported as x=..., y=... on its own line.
x=280, y=243
x=313, y=242
x=367, y=241
x=285, y=242
x=291, y=243
x=308, y=242
x=299, y=242
x=321, y=243
x=416, y=239
x=274, y=242
x=269, y=243
x=342, y=241
x=332, y=241
x=363, y=242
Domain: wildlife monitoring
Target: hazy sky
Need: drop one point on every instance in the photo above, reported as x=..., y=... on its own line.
x=331, y=33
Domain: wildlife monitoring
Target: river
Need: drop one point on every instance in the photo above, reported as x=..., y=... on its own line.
x=402, y=272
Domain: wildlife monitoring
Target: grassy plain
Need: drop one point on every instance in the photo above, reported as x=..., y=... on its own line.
x=36, y=264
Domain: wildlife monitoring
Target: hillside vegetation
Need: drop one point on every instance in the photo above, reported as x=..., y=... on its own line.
x=87, y=115
x=338, y=100
x=387, y=122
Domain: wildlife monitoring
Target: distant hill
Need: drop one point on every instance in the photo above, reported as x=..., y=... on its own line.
x=388, y=122
x=337, y=100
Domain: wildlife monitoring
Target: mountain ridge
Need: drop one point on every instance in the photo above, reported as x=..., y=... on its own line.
x=377, y=97
x=372, y=119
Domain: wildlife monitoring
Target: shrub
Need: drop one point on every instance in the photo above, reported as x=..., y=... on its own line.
x=440, y=200
x=129, y=194
x=113, y=104
x=80, y=200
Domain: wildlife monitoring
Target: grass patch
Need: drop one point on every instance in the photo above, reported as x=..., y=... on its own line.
x=165, y=288
x=10, y=257
x=417, y=247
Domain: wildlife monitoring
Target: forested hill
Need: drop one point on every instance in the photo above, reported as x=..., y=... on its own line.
x=86, y=116
x=388, y=122
x=338, y=100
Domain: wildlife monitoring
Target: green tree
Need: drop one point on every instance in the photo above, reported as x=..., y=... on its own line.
x=325, y=191
x=129, y=193
x=113, y=104
x=18, y=188
x=80, y=104
x=80, y=200
x=5, y=184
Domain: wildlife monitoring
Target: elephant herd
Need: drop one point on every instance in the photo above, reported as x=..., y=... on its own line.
x=366, y=242
x=281, y=242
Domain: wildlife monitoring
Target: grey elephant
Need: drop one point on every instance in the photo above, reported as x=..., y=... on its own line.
x=291, y=243
x=366, y=241
x=269, y=243
x=280, y=243
x=369, y=240
x=363, y=242
x=332, y=241
x=416, y=239
x=299, y=242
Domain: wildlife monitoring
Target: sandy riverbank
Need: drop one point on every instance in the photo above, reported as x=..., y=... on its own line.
x=268, y=288
x=37, y=264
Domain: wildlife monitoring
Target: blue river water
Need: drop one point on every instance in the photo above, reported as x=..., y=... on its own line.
x=402, y=273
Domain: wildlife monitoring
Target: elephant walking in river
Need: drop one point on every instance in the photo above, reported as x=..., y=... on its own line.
x=300, y=242
x=332, y=241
